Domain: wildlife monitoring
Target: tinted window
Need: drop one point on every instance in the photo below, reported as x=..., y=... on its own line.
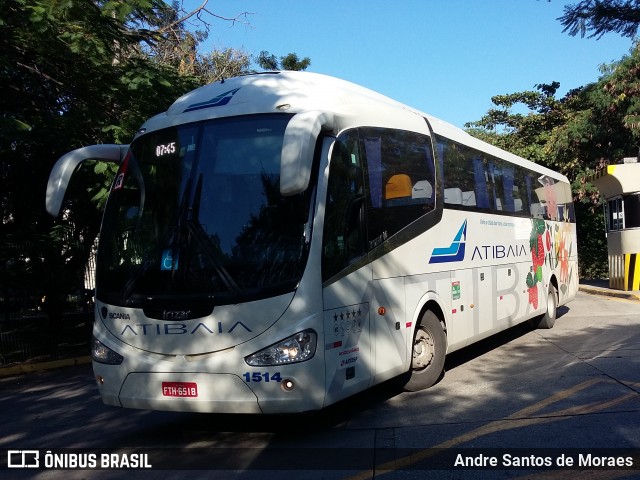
x=400, y=176
x=476, y=181
x=196, y=210
x=380, y=181
x=344, y=237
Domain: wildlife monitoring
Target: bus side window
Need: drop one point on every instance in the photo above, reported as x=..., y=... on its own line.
x=399, y=180
x=480, y=181
x=344, y=236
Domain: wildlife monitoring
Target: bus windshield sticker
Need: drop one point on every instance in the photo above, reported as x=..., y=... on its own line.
x=168, y=263
x=119, y=181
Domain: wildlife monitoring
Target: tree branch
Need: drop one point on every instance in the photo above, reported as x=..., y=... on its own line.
x=203, y=8
x=39, y=73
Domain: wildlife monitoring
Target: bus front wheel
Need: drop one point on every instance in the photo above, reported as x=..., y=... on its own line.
x=428, y=353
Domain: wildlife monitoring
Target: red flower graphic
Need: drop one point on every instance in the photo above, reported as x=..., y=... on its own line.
x=533, y=296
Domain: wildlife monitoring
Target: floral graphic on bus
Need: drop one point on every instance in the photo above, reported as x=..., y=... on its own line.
x=563, y=249
x=536, y=244
x=550, y=245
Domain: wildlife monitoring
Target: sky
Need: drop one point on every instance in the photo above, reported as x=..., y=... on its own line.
x=446, y=58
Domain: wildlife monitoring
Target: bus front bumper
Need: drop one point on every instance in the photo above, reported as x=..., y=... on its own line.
x=184, y=392
x=208, y=392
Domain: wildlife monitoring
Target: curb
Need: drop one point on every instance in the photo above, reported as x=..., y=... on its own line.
x=21, y=369
x=607, y=292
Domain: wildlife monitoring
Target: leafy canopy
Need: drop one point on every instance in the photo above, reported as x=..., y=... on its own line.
x=597, y=17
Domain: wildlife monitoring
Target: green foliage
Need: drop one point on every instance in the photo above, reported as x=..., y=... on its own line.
x=222, y=64
x=72, y=73
x=592, y=242
x=267, y=61
x=291, y=61
x=523, y=134
x=76, y=73
x=601, y=16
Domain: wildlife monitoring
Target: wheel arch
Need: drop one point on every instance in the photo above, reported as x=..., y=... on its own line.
x=426, y=364
x=430, y=301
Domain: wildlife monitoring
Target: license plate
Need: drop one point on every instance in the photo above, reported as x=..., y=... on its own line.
x=179, y=389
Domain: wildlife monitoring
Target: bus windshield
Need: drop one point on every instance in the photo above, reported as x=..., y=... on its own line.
x=196, y=212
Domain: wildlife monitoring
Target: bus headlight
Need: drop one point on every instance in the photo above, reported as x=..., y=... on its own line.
x=103, y=354
x=297, y=348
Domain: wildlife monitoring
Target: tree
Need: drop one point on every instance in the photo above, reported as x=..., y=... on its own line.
x=74, y=73
x=81, y=72
x=602, y=16
x=224, y=63
x=63, y=87
x=524, y=134
x=291, y=61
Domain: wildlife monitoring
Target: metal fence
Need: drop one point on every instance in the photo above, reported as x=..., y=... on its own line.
x=27, y=332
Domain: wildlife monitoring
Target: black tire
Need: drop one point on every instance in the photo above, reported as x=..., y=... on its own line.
x=428, y=353
x=548, y=320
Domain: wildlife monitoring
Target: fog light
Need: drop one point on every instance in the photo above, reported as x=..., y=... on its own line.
x=287, y=385
x=99, y=379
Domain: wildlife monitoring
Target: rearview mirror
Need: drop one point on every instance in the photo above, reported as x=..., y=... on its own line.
x=65, y=166
x=298, y=147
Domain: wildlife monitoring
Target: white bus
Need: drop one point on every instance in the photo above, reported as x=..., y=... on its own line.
x=280, y=241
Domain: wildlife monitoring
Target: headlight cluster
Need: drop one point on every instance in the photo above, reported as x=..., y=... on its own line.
x=103, y=354
x=297, y=348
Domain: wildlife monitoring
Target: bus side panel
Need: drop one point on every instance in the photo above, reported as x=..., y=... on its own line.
x=566, y=257
x=434, y=287
x=390, y=328
x=349, y=364
x=465, y=318
x=507, y=300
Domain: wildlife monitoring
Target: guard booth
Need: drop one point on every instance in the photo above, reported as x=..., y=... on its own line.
x=620, y=186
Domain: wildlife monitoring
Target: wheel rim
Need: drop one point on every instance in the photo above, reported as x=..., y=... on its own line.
x=423, y=349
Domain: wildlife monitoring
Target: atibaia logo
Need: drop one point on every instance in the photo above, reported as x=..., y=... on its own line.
x=218, y=101
x=455, y=251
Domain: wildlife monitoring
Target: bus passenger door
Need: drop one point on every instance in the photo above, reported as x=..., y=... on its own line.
x=346, y=274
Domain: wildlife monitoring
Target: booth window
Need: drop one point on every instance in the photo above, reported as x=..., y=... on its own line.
x=632, y=211
x=615, y=215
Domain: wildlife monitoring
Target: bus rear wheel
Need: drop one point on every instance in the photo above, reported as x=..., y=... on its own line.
x=548, y=320
x=428, y=353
